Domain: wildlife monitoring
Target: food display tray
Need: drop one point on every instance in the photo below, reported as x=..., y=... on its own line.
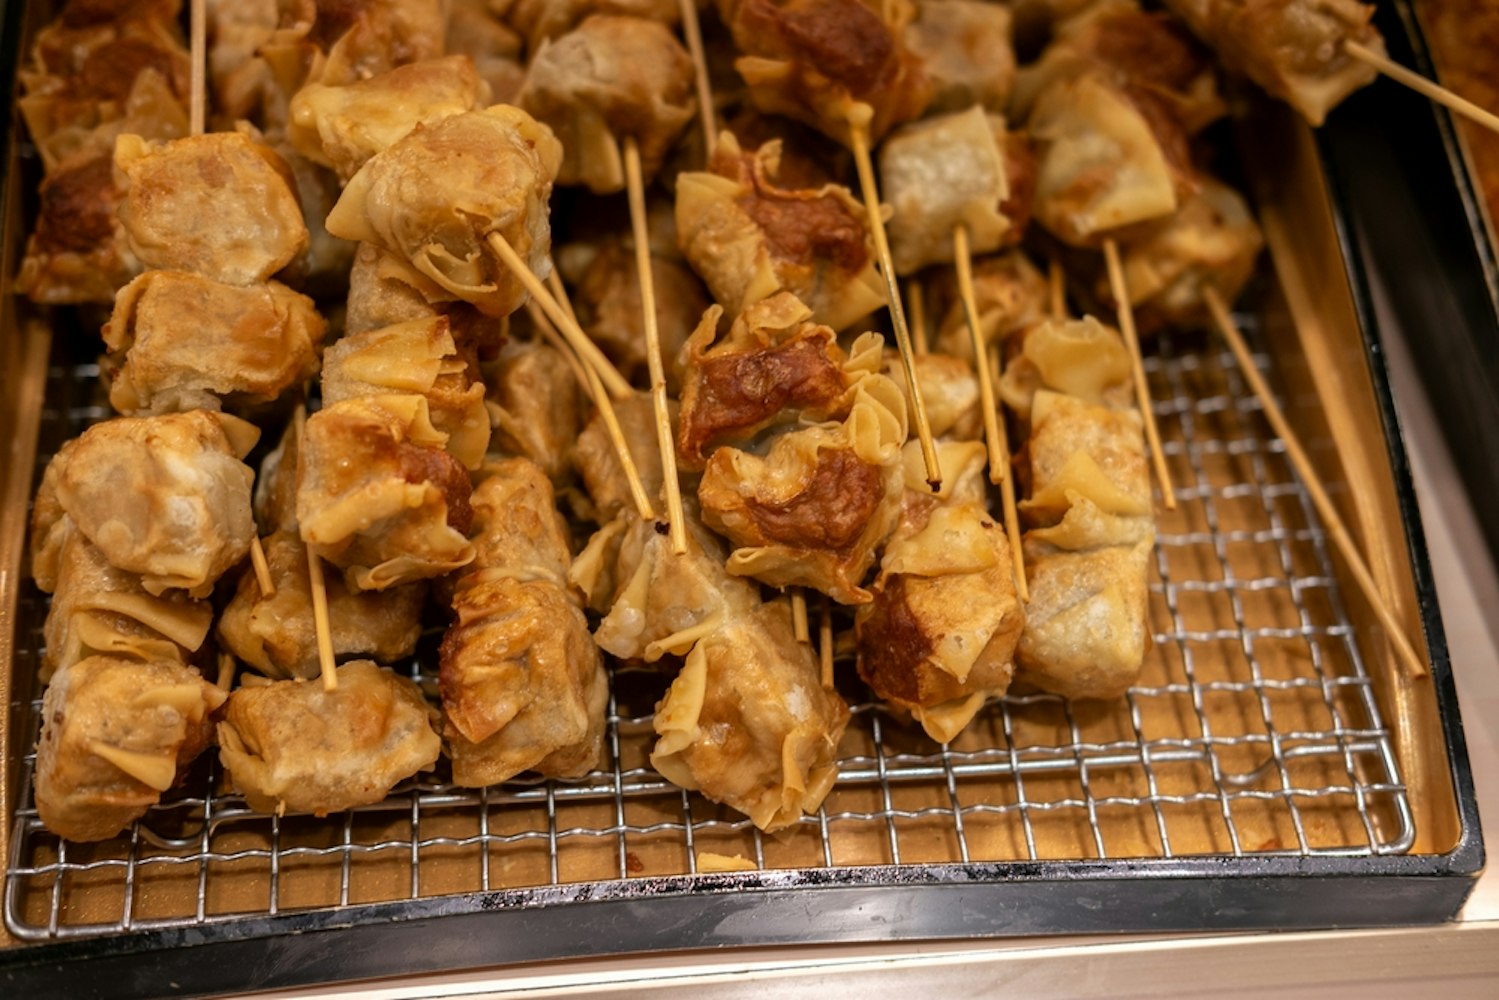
x=1274, y=768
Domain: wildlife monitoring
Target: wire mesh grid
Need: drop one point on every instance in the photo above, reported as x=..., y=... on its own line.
x=1254, y=730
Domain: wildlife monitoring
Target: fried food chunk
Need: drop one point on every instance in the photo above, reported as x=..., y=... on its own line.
x=116, y=733
x=221, y=205
x=291, y=746
x=166, y=497
x=938, y=640
x=536, y=406
x=77, y=253
x=543, y=20
x=965, y=50
x=432, y=198
x=748, y=238
x=609, y=78
x=191, y=342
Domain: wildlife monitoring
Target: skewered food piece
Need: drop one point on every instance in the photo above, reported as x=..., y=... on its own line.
x=749, y=238
x=220, y=205
x=1292, y=48
x=748, y=723
x=609, y=78
x=536, y=406
x=76, y=253
x=543, y=20
x=1106, y=159
x=606, y=294
x=379, y=294
x=419, y=357
x=939, y=638
x=1150, y=54
x=1211, y=241
x=1009, y=294
x=166, y=496
x=292, y=746
x=1078, y=448
x=812, y=511
x=961, y=169
x=364, y=38
x=951, y=390
x=1082, y=358
x=965, y=51
x=378, y=497
x=597, y=462
x=774, y=367
x=116, y=733
x=825, y=62
x=432, y=199
x=276, y=634
x=523, y=685
x=1463, y=36
x=98, y=609
x=476, y=30
x=343, y=126
x=190, y=342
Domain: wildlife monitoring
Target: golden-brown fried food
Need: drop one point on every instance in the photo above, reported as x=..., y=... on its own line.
x=609, y=78
x=116, y=733
x=523, y=684
x=748, y=723
x=950, y=388
x=1078, y=448
x=192, y=342
x=939, y=638
x=77, y=252
x=166, y=497
x=290, y=746
x=1081, y=358
x=276, y=634
x=379, y=292
x=965, y=51
x=221, y=205
x=536, y=406
x=826, y=62
x=476, y=30
x=542, y=20
x=1010, y=295
x=432, y=199
x=363, y=38
x=749, y=239
x=418, y=357
x=343, y=126
x=814, y=509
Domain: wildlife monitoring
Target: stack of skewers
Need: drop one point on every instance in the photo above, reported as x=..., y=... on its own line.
x=603, y=381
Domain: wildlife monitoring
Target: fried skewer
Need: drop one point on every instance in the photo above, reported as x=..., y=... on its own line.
x=1404, y=649
x=916, y=296
x=1142, y=388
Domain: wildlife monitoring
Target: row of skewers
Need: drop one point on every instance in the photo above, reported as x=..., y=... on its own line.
x=407, y=153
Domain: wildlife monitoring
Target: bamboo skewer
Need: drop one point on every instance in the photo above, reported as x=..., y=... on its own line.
x=1120, y=292
x=197, y=104
x=317, y=586
x=1314, y=488
x=825, y=642
x=589, y=380
x=1056, y=282
x=799, y=615
x=1423, y=86
x=1012, y=515
x=665, y=440
x=616, y=383
x=859, y=135
x=262, y=568
x=916, y=298
x=693, y=32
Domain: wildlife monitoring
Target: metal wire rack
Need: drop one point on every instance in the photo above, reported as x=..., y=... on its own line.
x=1254, y=731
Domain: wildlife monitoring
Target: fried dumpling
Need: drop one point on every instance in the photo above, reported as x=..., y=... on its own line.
x=965, y=51
x=542, y=20
x=536, y=406
x=77, y=252
x=1077, y=448
x=1081, y=358
x=291, y=746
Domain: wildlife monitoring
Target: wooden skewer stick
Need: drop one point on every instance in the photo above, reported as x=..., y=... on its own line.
x=589, y=380
x=999, y=457
x=319, y=588
x=916, y=298
x=616, y=383
x=825, y=642
x=1142, y=388
x=665, y=440
x=262, y=568
x=799, y=615
x=1314, y=488
x=1007, y=498
x=1056, y=282
x=197, y=104
x=1423, y=86
x=859, y=137
x=225, y=679
x=693, y=32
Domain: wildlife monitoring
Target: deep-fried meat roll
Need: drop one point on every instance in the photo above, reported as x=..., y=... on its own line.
x=965, y=50
x=290, y=746
x=609, y=78
x=950, y=388
x=190, y=342
x=598, y=463
x=939, y=638
x=748, y=723
x=536, y=406
x=221, y=205
x=116, y=733
x=378, y=497
x=343, y=126
x=749, y=238
x=165, y=496
x=422, y=358
x=432, y=199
